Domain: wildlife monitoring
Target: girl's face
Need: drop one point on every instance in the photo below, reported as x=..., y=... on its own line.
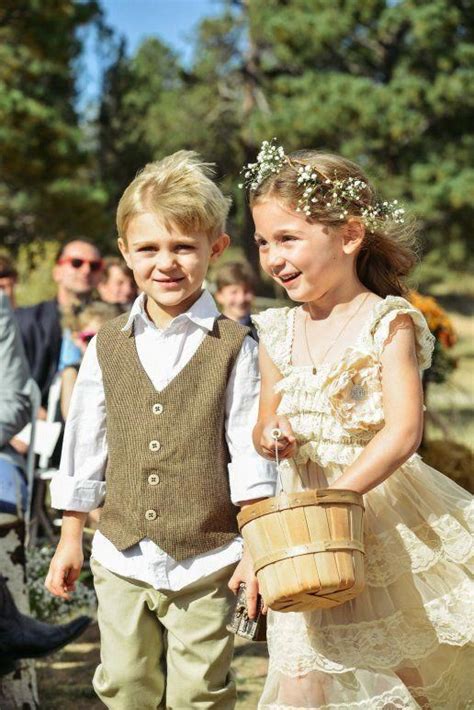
x=82, y=338
x=308, y=260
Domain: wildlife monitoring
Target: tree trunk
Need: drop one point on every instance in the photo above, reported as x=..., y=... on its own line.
x=18, y=689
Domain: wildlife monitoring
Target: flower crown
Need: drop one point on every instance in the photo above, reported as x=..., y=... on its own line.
x=336, y=194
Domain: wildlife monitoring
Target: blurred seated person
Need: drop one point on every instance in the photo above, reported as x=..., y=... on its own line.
x=77, y=272
x=83, y=327
x=235, y=292
x=15, y=413
x=8, y=278
x=21, y=636
x=117, y=285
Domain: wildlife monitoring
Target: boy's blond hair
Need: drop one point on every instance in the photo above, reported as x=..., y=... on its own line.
x=179, y=189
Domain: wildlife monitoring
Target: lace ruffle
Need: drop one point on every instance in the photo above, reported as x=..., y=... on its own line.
x=452, y=690
x=328, y=452
x=426, y=545
x=273, y=330
x=299, y=646
x=386, y=311
x=397, y=698
x=346, y=397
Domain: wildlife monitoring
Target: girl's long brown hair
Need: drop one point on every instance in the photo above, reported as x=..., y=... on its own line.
x=388, y=251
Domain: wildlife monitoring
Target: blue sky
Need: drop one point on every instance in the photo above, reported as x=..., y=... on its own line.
x=173, y=21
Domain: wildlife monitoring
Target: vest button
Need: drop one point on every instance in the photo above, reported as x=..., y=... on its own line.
x=154, y=445
x=153, y=479
x=157, y=408
x=151, y=515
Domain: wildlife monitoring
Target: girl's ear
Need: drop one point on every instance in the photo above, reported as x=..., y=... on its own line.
x=353, y=235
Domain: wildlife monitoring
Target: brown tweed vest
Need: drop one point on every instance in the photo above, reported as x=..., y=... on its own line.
x=167, y=473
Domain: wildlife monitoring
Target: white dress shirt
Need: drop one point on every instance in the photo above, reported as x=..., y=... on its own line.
x=80, y=483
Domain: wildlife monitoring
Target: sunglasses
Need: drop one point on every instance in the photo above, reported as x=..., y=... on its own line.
x=86, y=336
x=76, y=263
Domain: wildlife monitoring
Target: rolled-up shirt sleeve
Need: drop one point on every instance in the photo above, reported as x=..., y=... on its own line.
x=250, y=475
x=79, y=484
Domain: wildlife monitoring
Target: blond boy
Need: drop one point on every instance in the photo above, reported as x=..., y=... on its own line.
x=160, y=432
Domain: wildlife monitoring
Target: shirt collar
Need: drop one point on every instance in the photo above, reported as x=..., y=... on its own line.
x=203, y=312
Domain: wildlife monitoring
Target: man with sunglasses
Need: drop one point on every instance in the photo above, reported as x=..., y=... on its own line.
x=77, y=271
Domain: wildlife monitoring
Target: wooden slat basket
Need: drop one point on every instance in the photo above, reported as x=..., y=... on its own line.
x=307, y=548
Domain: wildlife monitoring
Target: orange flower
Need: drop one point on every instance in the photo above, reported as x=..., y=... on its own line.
x=436, y=317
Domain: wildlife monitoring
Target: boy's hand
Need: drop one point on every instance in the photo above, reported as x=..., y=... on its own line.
x=244, y=573
x=286, y=444
x=64, y=570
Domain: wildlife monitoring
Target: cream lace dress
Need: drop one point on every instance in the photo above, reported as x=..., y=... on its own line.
x=404, y=642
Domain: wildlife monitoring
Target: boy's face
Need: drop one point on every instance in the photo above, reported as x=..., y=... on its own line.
x=235, y=300
x=168, y=265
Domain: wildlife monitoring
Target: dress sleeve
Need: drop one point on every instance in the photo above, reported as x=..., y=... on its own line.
x=274, y=332
x=386, y=312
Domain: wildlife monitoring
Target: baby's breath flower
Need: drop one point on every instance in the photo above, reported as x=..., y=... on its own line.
x=347, y=195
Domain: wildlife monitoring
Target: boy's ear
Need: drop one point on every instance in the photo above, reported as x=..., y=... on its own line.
x=219, y=246
x=122, y=245
x=353, y=235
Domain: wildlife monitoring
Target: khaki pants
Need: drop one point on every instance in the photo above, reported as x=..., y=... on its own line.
x=164, y=649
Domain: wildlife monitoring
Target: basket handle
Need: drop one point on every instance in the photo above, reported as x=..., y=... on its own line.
x=276, y=436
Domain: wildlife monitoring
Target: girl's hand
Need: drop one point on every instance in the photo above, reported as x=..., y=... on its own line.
x=286, y=444
x=64, y=570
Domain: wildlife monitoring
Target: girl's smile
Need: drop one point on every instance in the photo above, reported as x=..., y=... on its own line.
x=288, y=279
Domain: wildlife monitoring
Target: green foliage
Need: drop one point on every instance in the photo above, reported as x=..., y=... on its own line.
x=387, y=84
x=35, y=263
x=45, y=181
x=442, y=365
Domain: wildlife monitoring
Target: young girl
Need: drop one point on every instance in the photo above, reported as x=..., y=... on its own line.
x=82, y=326
x=341, y=379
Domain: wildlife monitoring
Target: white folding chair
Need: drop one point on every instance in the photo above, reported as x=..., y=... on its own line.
x=35, y=400
x=43, y=473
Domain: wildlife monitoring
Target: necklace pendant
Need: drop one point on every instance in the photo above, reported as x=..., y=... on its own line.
x=314, y=371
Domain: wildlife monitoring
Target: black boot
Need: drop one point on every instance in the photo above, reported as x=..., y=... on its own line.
x=24, y=637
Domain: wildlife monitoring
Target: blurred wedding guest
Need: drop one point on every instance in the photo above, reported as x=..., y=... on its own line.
x=77, y=272
x=8, y=278
x=15, y=412
x=21, y=636
x=117, y=284
x=235, y=292
x=83, y=327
